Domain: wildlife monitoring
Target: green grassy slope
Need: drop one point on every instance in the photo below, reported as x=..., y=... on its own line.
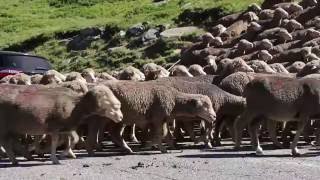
x=23, y=19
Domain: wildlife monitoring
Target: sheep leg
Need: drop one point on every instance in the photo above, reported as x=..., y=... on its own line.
x=216, y=136
x=272, y=129
x=294, y=149
x=188, y=126
x=159, y=131
x=93, y=129
x=207, y=137
x=7, y=145
x=239, y=125
x=307, y=131
x=117, y=132
x=72, y=140
x=133, y=137
x=229, y=125
x=253, y=128
x=54, y=144
x=99, y=145
x=285, y=133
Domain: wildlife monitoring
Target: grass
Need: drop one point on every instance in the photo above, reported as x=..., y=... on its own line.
x=21, y=20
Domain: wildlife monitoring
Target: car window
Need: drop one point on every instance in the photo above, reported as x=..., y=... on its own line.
x=27, y=63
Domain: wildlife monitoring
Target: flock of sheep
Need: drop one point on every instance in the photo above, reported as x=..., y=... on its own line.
x=255, y=71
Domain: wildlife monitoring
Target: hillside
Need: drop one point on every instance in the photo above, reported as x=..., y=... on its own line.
x=44, y=27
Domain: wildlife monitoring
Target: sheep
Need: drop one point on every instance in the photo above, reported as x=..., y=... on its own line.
x=226, y=105
x=254, y=27
x=75, y=76
x=6, y=79
x=260, y=67
x=279, y=15
x=296, y=67
x=268, y=34
x=56, y=73
x=308, y=3
x=76, y=85
x=284, y=35
x=20, y=78
x=308, y=14
x=151, y=105
x=312, y=43
x=153, y=71
x=311, y=57
x=50, y=79
x=235, y=65
x=35, y=79
x=89, y=75
x=300, y=104
x=289, y=7
x=285, y=46
x=254, y=8
x=229, y=19
x=292, y=55
x=51, y=111
x=279, y=68
x=131, y=73
x=235, y=83
x=270, y=3
x=265, y=55
x=212, y=67
x=266, y=14
x=239, y=26
x=180, y=70
x=309, y=68
x=264, y=44
x=217, y=30
x=105, y=76
x=196, y=70
x=244, y=46
x=293, y=25
x=207, y=38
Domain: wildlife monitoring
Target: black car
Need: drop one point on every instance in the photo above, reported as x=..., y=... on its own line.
x=14, y=62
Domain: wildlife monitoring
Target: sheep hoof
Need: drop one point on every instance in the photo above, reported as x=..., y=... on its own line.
x=134, y=139
x=314, y=143
x=259, y=151
x=295, y=152
x=54, y=160
x=208, y=145
x=15, y=162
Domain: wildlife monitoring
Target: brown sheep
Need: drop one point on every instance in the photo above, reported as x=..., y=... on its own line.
x=196, y=70
x=150, y=105
x=20, y=79
x=226, y=105
x=292, y=55
x=56, y=73
x=35, y=79
x=131, y=73
x=296, y=67
x=89, y=75
x=180, y=70
x=212, y=67
x=279, y=68
x=239, y=26
x=105, y=76
x=50, y=79
x=300, y=104
x=75, y=76
x=51, y=111
x=260, y=66
x=153, y=71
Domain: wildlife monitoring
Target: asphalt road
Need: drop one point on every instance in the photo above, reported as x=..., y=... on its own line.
x=190, y=163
